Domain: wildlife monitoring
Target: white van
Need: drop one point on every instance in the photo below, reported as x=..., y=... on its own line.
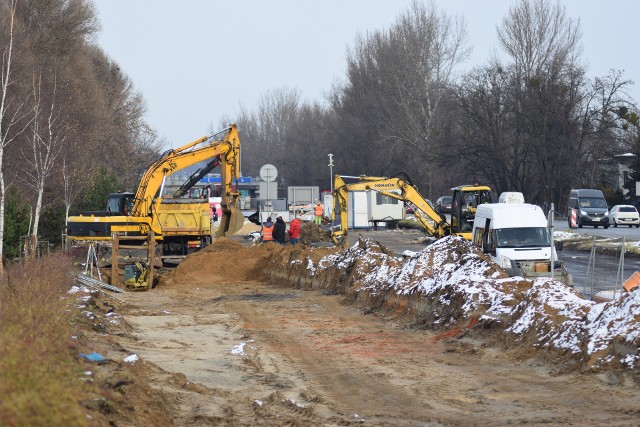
x=515, y=235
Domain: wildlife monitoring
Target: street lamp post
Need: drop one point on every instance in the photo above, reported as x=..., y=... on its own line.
x=331, y=171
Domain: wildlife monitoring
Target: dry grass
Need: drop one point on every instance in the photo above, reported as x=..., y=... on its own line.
x=40, y=374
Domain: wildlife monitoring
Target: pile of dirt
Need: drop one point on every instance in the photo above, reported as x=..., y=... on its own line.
x=224, y=260
x=310, y=233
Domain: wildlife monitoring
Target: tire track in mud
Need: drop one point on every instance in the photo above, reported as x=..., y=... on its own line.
x=327, y=351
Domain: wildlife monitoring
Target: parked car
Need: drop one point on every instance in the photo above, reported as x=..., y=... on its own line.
x=410, y=209
x=443, y=204
x=624, y=215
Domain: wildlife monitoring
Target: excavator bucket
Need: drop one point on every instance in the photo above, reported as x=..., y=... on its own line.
x=232, y=220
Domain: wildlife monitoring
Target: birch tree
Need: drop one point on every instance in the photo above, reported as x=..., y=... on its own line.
x=10, y=108
x=46, y=137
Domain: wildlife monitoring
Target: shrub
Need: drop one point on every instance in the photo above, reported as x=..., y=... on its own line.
x=39, y=369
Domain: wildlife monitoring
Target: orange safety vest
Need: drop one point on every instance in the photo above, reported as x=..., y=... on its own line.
x=267, y=233
x=318, y=210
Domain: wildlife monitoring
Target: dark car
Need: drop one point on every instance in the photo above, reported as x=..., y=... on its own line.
x=443, y=204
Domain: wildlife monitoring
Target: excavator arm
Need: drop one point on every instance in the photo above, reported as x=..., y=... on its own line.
x=205, y=148
x=399, y=187
x=149, y=193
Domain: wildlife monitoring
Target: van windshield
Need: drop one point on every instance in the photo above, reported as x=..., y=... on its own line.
x=592, y=202
x=522, y=237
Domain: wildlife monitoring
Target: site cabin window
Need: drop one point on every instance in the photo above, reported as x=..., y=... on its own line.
x=381, y=199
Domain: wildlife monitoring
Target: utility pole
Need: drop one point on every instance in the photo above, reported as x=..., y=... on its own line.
x=331, y=172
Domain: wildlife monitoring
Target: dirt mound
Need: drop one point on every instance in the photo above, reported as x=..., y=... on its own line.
x=224, y=260
x=310, y=232
x=450, y=286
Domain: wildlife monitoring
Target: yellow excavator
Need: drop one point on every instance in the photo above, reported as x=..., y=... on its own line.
x=136, y=215
x=400, y=187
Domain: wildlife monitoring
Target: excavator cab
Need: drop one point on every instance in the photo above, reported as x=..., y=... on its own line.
x=119, y=203
x=466, y=199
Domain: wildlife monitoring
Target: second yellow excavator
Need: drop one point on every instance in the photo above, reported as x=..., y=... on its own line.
x=400, y=187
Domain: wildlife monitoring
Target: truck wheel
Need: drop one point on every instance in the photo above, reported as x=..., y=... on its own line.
x=595, y=226
x=615, y=225
x=606, y=226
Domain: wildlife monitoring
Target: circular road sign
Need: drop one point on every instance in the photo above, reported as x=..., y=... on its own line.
x=268, y=172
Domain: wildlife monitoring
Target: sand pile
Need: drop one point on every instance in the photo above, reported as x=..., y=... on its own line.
x=224, y=260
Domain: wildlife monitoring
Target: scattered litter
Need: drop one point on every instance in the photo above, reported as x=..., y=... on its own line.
x=258, y=402
x=132, y=358
x=239, y=349
x=94, y=357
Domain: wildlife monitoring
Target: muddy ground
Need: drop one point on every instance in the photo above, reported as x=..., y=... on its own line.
x=221, y=344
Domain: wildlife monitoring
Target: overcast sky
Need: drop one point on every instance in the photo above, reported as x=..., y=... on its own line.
x=196, y=61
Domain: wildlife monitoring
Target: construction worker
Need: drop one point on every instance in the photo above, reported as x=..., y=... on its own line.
x=318, y=210
x=279, y=231
x=267, y=231
x=294, y=230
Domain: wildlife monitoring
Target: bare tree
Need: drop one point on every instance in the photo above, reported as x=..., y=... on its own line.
x=606, y=120
x=546, y=88
x=539, y=36
x=391, y=108
x=10, y=107
x=46, y=138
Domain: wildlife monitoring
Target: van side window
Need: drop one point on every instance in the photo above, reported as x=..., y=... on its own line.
x=491, y=243
x=477, y=237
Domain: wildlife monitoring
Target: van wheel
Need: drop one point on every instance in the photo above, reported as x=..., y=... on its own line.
x=606, y=226
x=579, y=223
x=615, y=225
x=638, y=226
x=595, y=226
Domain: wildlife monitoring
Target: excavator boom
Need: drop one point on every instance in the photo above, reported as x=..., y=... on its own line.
x=466, y=198
x=400, y=188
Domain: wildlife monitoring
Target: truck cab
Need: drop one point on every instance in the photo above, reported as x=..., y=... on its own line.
x=515, y=236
